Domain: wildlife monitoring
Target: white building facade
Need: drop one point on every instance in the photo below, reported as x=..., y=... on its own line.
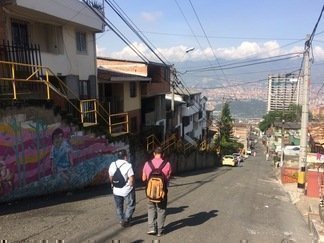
x=65, y=32
x=282, y=92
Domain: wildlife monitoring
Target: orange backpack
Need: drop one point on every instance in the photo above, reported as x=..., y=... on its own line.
x=156, y=187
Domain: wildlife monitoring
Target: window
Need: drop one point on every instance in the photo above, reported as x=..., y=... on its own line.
x=132, y=89
x=19, y=33
x=81, y=42
x=84, y=89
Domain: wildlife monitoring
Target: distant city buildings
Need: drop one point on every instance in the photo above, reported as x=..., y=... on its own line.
x=283, y=91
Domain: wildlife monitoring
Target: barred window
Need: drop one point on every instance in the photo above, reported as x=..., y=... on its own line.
x=81, y=42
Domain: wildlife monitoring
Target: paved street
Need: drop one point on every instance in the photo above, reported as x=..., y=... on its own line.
x=220, y=205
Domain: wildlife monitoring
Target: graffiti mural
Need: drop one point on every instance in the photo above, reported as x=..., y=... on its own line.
x=38, y=158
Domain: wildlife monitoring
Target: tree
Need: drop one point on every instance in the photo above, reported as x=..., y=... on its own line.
x=225, y=141
x=225, y=123
x=293, y=114
x=269, y=119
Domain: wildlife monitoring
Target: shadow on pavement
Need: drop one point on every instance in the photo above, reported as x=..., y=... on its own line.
x=176, y=210
x=26, y=204
x=54, y=199
x=191, y=220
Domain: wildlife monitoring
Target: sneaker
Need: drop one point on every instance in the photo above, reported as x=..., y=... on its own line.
x=126, y=224
x=160, y=232
x=151, y=232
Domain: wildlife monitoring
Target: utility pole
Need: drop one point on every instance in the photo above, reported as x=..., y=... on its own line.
x=282, y=141
x=173, y=82
x=304, y=119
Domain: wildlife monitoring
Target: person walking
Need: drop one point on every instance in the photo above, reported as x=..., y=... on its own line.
x=156, y=210
x=126, y=193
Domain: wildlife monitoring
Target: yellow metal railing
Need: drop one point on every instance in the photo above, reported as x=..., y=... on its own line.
x=173, y=143
x=169, y=143
x=88, y=109
x=152, y=142
x=118, y=124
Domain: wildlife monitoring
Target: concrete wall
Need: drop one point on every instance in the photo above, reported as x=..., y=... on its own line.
x=131, y=103
x=31, y=155
x=71, y=62
x=180, y=162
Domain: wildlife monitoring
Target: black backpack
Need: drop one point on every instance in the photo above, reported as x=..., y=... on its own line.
x=118, y=179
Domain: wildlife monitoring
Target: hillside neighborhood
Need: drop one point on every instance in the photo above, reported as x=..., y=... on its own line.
x=53, y=83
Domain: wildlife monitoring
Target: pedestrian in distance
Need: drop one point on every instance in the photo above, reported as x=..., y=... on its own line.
x=156, y=208
x=122, y=179
x=267, y=156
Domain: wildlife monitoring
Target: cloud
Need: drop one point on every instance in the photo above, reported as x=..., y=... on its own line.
x=318, y=53
x=102, y=51
x=249, y=49
x=151, y=16
x=178, y=53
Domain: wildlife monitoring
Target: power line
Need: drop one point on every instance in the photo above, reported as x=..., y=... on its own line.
x=231, y=66
x=310, y=40
x=206, y=37
x=133, y=27
x=191, y=29
x=117, y=32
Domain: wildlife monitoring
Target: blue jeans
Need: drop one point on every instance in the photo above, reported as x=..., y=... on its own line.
x=129, y=201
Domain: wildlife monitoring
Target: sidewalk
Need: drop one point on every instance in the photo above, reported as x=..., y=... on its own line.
x=308, y=207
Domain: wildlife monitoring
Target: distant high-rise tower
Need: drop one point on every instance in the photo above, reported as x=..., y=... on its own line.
x=282, y=92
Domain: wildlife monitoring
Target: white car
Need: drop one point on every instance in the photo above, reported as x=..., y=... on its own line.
x=229, y=160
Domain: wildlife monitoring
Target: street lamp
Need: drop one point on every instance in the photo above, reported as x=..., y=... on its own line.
x=190, y=49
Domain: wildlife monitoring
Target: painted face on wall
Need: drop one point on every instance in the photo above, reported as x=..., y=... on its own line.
x=58, y=139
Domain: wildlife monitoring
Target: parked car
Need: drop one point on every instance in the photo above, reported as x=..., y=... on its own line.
x=229, y=160
x=239, y=157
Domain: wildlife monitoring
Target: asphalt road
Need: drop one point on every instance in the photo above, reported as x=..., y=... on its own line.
x=220, y=205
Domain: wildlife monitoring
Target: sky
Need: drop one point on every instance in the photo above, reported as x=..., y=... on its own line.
x=217, y=32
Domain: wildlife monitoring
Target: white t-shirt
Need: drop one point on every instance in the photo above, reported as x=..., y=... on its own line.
x=127, y=171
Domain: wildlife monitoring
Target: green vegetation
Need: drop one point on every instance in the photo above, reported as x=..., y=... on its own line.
x=293, y=114
x=225, y=141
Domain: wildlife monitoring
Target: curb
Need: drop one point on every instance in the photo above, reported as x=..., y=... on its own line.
x=315, y=225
